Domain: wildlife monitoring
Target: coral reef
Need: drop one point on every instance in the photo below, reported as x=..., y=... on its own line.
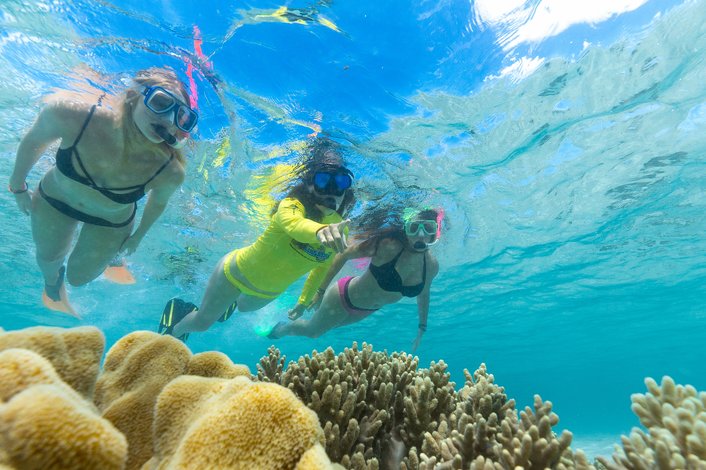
x=44, y=427
x=675, y=419
x=75, y=353
x=46, y=424
x=21, y=369
x=215, y=364
x=484, y=432
x=165, y=408
x=204, y=423
x=364, y=398
x=316, y=459
x=135, y=371
x=154, y=414
x=381, y=411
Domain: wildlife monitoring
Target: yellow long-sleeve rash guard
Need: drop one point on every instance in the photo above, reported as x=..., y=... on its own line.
x=287, y=250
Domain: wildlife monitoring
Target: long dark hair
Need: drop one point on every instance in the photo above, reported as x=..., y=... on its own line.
x=320, y=154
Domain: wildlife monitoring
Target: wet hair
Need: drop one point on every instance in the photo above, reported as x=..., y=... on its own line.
x=321, y=154
x=427, y=214
x=379, y=223
x=154, y=76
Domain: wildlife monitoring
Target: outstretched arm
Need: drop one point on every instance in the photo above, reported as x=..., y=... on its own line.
x=320, y=278
x=423, y=302
x=291, y=217
x=352, y=252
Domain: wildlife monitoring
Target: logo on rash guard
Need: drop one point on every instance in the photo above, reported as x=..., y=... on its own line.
x=311, y=253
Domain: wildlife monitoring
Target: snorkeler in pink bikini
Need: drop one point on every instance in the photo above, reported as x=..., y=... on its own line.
x=400, y=266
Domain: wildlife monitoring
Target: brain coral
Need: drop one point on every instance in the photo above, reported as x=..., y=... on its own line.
x=20, y=369
x=215, y=364
x=205, y=423
x=48, y=427
x=136, y=369
x=75, y=353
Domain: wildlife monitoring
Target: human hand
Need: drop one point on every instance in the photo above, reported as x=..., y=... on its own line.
x=296, y=312
x=130, y=244
x=417, y=341
x=334, y=236
x=316, y=301
x=24, y=201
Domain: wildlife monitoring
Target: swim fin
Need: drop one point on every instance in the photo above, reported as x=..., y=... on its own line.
x=174, y=312
x=229, y=312
x=54, y=296
x=118, y=273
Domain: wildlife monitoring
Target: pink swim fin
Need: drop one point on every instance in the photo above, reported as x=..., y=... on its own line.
x=118, y=273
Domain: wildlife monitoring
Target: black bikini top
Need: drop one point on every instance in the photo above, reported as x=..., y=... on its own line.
x=66, y=167
x=389, y=279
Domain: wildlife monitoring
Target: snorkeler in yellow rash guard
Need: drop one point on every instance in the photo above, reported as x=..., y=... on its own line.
x=306, y=230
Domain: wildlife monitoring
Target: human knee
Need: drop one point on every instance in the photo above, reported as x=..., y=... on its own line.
x=77, y=280
x=47, y=259
x=314, y=333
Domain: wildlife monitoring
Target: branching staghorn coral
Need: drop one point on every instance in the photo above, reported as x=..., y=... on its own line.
x=675, y=419
x=430, y=399
x=484, y=432
x=364, y=399
x=375, y=408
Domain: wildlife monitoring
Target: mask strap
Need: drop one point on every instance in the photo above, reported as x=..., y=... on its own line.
x=439, y=218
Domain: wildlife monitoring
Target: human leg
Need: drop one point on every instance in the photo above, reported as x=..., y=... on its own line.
x=329, y=315
x=53, y=233
x=220, y=294
x=95, y=248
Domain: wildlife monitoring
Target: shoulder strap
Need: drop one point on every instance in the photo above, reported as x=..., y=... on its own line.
x=85, y=123
x=159, y=171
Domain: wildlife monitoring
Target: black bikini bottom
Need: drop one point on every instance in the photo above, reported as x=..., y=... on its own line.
x=82, y=216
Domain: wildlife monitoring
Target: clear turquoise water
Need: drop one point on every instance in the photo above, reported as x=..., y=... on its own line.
x=574, y=263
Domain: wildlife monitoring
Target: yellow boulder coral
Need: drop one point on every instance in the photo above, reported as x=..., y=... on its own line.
x=20, y=369
x=216, y=364
x=136, y=369
x=316, y=459
x=182, y=402
x=50, y=427
x=205, y=423
x=75, y=353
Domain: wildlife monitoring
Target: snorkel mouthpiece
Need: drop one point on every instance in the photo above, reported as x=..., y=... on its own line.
x=329, y=203
x=419, y=246
x=171, y=140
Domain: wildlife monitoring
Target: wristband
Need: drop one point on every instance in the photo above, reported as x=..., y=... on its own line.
x=18, y=191
x=423, y=326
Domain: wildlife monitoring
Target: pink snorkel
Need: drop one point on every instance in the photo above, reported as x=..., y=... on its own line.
x=203, y=60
